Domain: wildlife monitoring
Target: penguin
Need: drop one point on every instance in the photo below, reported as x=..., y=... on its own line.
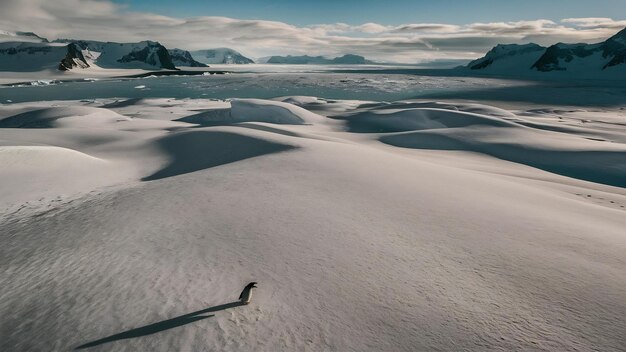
x=246, y=294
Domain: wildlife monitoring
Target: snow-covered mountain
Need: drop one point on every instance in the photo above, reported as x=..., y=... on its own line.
x=220, y=56
x=564, y=57
x=348, y=59
x=36, y=54
x=31, y=57
x=147, y=55
x=74, y=58
x=605, y=59
x=27, y=37
x=183, y=58
x=505, y=57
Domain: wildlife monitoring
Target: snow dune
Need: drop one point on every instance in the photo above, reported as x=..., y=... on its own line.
x=400, y=120
x=255, y=110
x=271, y=111
x=396, y=226
x=589, y=159
x=197, y=150
x=595, y=161
x=80, y=116
x=44, y=171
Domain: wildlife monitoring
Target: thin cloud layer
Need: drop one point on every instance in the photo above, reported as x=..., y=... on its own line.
x=412, y=42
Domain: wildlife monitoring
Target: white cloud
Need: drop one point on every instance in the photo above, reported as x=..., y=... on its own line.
x=426, y=28
x=371, y=28
x=105, y=20
x=595, y=22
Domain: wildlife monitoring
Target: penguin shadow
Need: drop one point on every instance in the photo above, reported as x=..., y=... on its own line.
x=162, y=325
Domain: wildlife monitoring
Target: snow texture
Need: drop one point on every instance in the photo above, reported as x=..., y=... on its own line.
x=130, y=224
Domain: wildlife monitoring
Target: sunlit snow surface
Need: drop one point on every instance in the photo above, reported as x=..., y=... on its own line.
x=487, y=215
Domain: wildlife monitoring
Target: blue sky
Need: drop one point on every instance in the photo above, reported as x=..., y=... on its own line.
x=384, y=11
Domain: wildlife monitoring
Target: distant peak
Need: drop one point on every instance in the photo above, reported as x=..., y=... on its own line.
x=221, y=56
x=346, y=59
x=516, y=47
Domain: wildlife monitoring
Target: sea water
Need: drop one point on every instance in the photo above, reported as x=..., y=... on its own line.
x=329, y=85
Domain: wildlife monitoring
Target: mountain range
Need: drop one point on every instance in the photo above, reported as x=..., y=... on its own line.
x=604, y=58
x=28, y=52
x=348, y=59
x=143, y=55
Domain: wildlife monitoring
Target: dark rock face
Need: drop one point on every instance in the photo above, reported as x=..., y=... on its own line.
x=553, y=57
x=164, y=57
x=184, y=58
x=153, y=54
x=615, y=47
x=73, y=58
x=486, y=62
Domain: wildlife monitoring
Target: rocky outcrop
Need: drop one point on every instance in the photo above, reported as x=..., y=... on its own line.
x=615, y=48
x=184, y=58
x=153, y=54
x=73, y=59
x=557, y=56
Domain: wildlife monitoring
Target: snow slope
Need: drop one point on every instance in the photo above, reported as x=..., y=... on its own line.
x=508, y=58
x=31, y=56
x=428, y=240
x=220, y=56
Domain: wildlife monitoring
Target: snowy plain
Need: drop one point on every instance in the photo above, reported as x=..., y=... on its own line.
x=382, y=212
